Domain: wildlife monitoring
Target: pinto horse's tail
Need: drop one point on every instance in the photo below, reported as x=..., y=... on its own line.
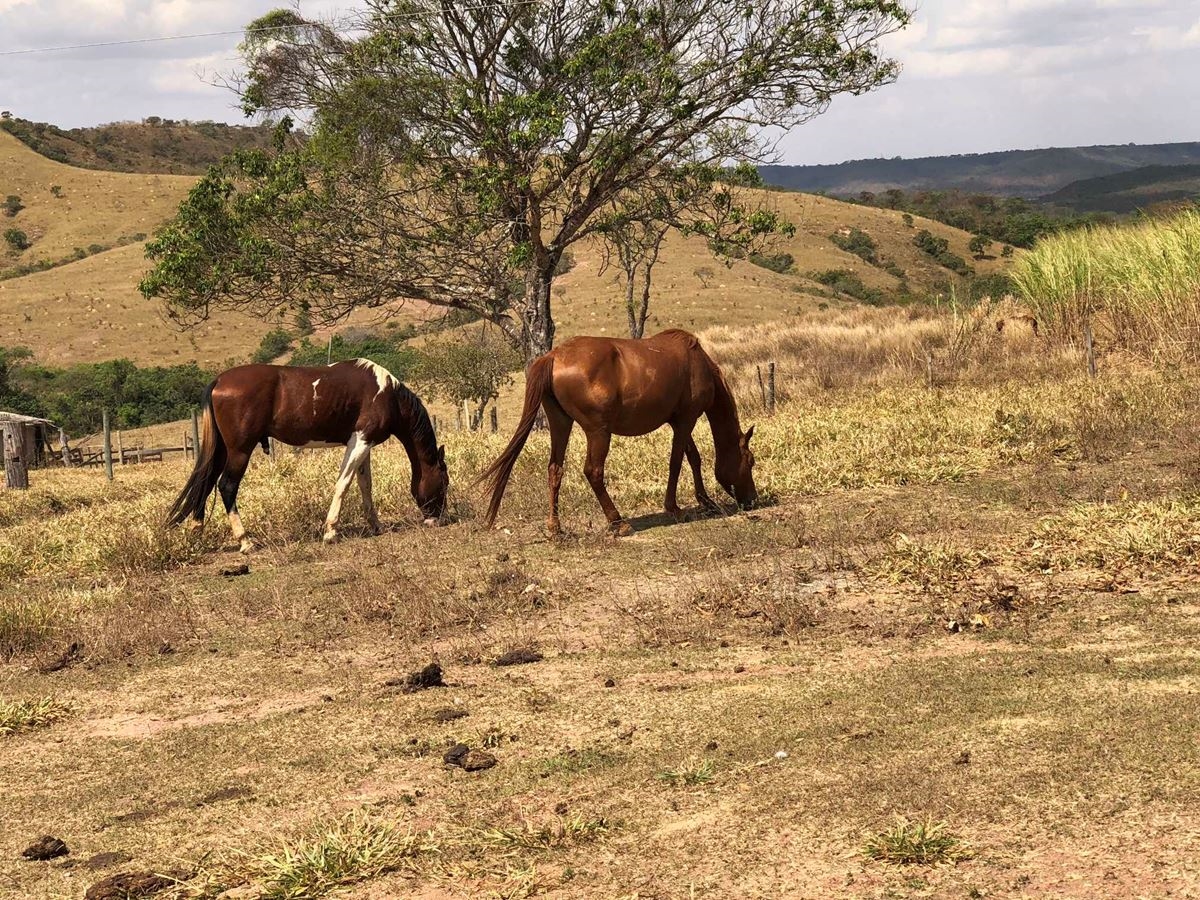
x=537, y=383
x=210, y=462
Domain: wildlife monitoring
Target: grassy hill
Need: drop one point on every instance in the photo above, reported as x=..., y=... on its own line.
x=1028, y=173
x=67, y=208
x=90, y=310
x=1128, y=192
x=152, y=146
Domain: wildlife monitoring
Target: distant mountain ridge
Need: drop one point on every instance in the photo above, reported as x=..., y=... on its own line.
x=1020, y=173
x=1126, y=192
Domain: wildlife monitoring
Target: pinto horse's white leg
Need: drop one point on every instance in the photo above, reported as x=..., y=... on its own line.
x=357, y=451
x=364, y=487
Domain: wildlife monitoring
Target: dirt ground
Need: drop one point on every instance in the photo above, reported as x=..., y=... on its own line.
x=728, y=707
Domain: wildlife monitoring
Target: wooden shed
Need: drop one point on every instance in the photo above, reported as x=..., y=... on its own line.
x=25, y=443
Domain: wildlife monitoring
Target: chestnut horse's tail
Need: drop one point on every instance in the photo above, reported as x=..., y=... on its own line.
x=537, y=383
x=210, y=462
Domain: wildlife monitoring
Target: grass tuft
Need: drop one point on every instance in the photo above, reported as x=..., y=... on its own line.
x=355, y=848
x=690, y=773
x=549, y=836
x=924, y=843
x=20, y=715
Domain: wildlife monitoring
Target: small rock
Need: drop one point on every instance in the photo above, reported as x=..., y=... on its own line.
x=128, y=885
x=235, y=571
x=45, y=847
x=456, y=754
x=428, y=677
x=609, y=683
x=519, y=656
x=560, y=808
x=738, y=670
x=710, y=746
x=963, y=758
x=781, y=754
x=448, y=714
x=477, y=760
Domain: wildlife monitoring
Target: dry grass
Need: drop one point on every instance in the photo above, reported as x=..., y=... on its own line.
x=748, y=696
x=1141, y=281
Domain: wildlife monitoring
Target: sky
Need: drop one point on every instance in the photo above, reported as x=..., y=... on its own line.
x=978, y=75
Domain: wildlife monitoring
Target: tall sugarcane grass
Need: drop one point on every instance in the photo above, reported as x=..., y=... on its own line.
x=1139, y=283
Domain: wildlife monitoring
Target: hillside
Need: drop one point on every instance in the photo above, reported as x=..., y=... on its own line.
x=90, y=310
x=1128, y=192
x=1028, y=173
x=67, y=208
x=152, y=146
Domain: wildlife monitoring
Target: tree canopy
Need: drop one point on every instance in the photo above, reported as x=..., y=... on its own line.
x=458, y=150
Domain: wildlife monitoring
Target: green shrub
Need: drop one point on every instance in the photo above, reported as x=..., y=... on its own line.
x=776, y=262
x=859, y=243
x=12, y=205
x=16, y=239
x=844, y=281
x=274, y=344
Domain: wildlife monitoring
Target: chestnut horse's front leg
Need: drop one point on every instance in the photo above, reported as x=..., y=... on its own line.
x=679, y=442
x=695, y=462
x=597, y=453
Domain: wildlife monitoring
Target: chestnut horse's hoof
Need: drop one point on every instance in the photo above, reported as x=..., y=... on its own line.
x=677, y=514
x=620, y=528
x=553, y=528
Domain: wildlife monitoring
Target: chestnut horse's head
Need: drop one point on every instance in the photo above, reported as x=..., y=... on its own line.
x=430, y=484
x=736, y=474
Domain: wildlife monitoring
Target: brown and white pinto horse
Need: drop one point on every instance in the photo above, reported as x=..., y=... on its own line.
x=630, y=387
x=355, y=404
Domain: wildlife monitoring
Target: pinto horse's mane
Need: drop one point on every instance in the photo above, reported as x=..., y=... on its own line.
x=420, y=425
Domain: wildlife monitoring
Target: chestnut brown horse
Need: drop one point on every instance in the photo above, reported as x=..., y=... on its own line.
x=630, y=387
x=355, y=404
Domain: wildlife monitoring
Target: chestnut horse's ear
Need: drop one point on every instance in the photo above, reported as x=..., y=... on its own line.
x=749, y=434
x=442, y=454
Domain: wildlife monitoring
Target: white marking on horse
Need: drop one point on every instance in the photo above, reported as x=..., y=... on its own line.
x=315, y=383
x=383, y=377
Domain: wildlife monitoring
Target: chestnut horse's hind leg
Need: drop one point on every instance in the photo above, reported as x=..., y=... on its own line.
x=560, y=434
x=357, y=452
x=694, y=461
x=364, y=487
x=228, y=484
x=597, y=453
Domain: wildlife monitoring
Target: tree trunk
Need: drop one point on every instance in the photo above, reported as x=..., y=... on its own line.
x=539, y=321
x=635, y=331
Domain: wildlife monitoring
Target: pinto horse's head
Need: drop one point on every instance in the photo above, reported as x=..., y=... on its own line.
x=737, y=475
x=429, y=487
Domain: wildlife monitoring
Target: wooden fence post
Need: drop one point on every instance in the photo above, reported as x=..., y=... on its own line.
x=16, y=475
x=495, y=419
x=195, y=434
x=1090, y=344
x=120, y=447
x=66, y=450
x=108, y=467
x=762, y=388
x=458, y=416
x=771, y=387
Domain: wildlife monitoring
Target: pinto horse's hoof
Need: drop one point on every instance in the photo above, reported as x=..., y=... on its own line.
x=246, y=546
x=330, y=537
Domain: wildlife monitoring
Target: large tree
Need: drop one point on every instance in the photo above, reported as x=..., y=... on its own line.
x=456, y=150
